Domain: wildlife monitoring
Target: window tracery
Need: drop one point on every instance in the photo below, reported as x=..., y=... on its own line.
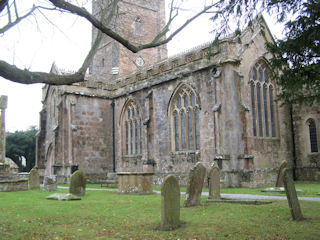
x=132, y=130
x=262, y=102
x=184, y=113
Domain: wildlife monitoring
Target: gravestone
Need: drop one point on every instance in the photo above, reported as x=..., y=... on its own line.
x=291, y=193
x=283, y=165
x=195, y=184
x=34, y=180
x=214, y=182
x=49, y=184
x=170, y=203
x=63, y=197
x=78, y=183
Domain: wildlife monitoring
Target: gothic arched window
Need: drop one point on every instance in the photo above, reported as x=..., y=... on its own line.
x=131, y=129
x=262, y=101
x=184, y=111
x=313, y=136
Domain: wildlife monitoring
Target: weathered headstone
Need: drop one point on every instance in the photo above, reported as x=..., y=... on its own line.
x=214, y=182
x=291, y=193
x=170, y=203
x=195, y=184
x=283, y=165
x=78, y=183
x=34, y=180
x=49, y=184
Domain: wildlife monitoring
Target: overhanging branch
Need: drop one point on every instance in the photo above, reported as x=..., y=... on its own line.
x=17, y=75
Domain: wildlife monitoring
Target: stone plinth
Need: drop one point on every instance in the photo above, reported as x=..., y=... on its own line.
x=13, y=185
x=135, y=182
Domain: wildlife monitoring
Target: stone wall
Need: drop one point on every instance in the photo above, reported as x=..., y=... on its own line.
x=83, y=137
x=307, y=162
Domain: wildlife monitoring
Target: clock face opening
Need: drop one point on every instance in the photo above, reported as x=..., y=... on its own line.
x=139, y=61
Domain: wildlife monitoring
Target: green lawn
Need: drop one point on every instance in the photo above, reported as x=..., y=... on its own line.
x=107, y=215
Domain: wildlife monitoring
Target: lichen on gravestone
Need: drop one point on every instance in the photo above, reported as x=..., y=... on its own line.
x=34, y=180
x=291, y=193
x=49, y=184
x=78, y=183
x=170, y=203
x=214, y=182
x=195, y=184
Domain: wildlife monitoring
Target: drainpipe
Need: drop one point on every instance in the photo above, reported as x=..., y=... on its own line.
x=294, y=155
x=113, y=139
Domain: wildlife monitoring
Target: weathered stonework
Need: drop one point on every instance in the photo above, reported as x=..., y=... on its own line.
x=87, y=125
x=34, y=180
x=13, y=185
x=135, y=183
x=78, y=182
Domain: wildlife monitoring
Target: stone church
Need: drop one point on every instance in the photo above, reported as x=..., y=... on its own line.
x=146, y=112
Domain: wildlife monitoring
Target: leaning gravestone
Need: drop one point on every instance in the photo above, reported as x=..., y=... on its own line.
x=283, y=165
x=170, y=203
x=214, y=182
x=195, y=184
x=49, y=184
x=78, y=183
x=34, y=180
x=291, y=193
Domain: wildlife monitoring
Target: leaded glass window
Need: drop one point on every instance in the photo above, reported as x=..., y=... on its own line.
x=185, y=120
x=263, y=108
x=132, y=130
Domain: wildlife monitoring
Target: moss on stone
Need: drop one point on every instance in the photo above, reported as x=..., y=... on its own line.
x=78, y=183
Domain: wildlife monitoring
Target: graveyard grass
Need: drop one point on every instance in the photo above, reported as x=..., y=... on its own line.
x=107, y=215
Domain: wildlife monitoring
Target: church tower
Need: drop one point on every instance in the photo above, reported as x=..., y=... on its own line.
x=139, y=21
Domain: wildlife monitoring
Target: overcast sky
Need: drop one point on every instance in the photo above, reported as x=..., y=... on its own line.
x=36, y=44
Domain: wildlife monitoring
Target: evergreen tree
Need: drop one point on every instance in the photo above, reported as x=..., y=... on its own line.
x=22, y=144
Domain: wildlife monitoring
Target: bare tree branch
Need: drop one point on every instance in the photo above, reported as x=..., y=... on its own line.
x=25, y=76
x=15, y=74
x=125, y=42
x=18, y=19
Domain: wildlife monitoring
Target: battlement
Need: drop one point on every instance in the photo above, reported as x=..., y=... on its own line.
x=170, y=64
